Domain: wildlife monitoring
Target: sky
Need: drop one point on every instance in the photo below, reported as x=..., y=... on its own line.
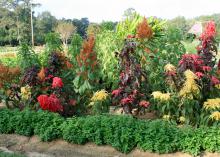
x=112, y=10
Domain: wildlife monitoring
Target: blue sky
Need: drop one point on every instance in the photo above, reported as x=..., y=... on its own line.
x=99, y=10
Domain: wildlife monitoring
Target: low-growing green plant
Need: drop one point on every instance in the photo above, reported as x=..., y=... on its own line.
x=122, y=132
x=48, y=126
x=4, y=154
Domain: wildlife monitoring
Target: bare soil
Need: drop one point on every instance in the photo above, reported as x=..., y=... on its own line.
x=33, y=147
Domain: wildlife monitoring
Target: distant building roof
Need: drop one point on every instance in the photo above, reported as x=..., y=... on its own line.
x=196, y=29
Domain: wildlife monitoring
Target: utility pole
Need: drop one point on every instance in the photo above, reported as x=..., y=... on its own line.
x=17, y=21
x=32, y=27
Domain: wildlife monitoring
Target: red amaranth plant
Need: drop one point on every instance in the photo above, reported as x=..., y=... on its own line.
x=207, y=48
x=128, y=94
x=192, y=62
x=203, y=63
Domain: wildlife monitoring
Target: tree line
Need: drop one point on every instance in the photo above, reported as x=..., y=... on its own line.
x=15, y=24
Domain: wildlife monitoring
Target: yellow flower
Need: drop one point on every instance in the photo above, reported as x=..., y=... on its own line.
x=91, y=104
x=190, y=75
x=143, y=78
x=25, y=92
x=161, y=96
x=182, y=119
x=169, y=67
x=217, y=86
x=215, y=116
x=99, y=96
x=166, y=117
x=190, y=86
x=212, y=104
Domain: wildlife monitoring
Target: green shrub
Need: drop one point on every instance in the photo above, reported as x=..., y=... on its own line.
x=73, y=131
x=210, y=140
x=3, y=154
x=157, y=136
x=5, y=126
x=48, y=125
x=22, y=122
x=122, y=132
x=93, y=131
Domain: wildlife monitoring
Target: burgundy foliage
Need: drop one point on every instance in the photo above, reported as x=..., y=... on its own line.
x=128, y=94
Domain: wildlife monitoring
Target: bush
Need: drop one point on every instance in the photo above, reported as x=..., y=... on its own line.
x=158, y=136
x=4, y=154
x=122, y=132
x=48, y=126
x=22, y=122
x=5, y=126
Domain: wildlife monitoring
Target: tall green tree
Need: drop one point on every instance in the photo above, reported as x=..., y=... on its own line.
x=81, y=26
x=44, y=24
x=180, y=23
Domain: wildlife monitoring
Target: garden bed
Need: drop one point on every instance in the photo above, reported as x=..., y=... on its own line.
x=124, y=133
x=59, y=148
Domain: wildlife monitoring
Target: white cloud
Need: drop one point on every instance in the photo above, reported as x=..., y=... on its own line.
x=98, y=10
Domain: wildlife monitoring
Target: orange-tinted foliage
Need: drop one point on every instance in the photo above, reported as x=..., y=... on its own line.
x=41, y=75
x=144, y=30
x=87, y=56
x=7, y=74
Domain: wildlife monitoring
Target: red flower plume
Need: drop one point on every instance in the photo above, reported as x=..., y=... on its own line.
x=57, y=82
x=50, y=103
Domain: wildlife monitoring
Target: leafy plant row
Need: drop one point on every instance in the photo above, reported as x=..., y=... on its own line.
x=4, y=154
x=121, y=132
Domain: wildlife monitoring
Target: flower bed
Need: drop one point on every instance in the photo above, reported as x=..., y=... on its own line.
x=122, y=132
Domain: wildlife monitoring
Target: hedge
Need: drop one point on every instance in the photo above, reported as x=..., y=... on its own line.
x=122, y=132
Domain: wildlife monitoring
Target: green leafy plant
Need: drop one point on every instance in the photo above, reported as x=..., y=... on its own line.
x=75, y=47
x=87, y=69
x=107, y=43
x=53, y=44
x=5, y=154
x=27, y=57
x=122, y=132
x=128, y=26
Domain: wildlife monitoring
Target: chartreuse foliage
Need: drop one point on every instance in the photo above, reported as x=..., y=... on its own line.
x=122, y=132
x=107, y=43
